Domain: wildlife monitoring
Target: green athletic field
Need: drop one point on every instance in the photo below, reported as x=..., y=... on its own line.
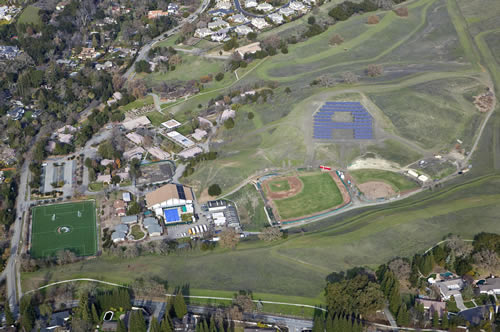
x=397, y=181
x=318, y=194
x=50, y=222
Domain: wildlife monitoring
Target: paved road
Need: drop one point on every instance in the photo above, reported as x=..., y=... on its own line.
x=390, y=318
x=141, y=55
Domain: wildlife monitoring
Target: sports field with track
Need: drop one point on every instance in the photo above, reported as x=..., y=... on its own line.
x=67, y=226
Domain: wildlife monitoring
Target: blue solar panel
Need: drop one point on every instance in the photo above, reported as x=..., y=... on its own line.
x=324, y=126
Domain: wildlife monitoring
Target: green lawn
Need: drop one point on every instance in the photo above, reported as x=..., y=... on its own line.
x=148, y=100
x=279, y=185
x=319, y=193
x=30, y=15
x=136, y=232
x=397, y=181
x=67, y=226
x=156, y=118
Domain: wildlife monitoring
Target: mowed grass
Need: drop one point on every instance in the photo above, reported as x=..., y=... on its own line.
x=79, y=217
x=30, y=15
x=397, y=181
x=279, y=185
x=319, y=193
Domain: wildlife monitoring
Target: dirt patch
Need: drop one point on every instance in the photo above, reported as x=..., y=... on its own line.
x=294, y=183
x=204, y=197
x=374, y=190
x=374, y=163
x=484, y=102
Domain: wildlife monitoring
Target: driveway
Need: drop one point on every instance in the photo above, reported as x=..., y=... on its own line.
x=460, y=302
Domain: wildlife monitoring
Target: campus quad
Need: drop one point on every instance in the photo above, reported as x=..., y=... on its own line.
x=67, y=226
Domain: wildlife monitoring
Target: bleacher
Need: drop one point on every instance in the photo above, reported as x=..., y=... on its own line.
x=324, y=126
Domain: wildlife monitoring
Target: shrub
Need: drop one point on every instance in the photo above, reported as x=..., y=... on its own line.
x=214, y=190
x=336, y=40
x=219, y=77
x=374, y=70
x=250, y=115
x=373, y=19
x=229, y=123
x=401, y=11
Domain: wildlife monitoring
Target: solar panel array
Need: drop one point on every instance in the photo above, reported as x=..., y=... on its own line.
x=324, y=126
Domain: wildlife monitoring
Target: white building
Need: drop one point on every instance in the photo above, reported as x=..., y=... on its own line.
x=298, y=6
x=180, y=139
x=172, y=124
x=136, y=138
x=226, y=5
x=202, y=33
x=243, y=30
x=218, y=24
x=450, y=288
x=251, y=3
x=276, y=18
x=219, y=36
x=159, y=153
x=238, y=18
x=199, y=134
x=170, y=196
x=287, y=11
x=265, y=7
x=259, y=23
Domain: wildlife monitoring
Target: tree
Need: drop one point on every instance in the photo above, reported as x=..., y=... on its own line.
x=349, y=77
x=401, y=11
x=435, y=319
x=142, y=66
x=180, y=307
x=252, y=36
x=219, y=77
x=244, y=302
x=229, y=238
x=106, y=150
x=336, y=40
x=137, y=322
x=311, y=20
x=270, y=234
x=459, y=247
x=229, y=123
x=115, y=179
x=121, y=326
x=250, y=115
x=401, y=268
x=373, y=19
x=374, y=70
x=9, y=317
x=154, y=326
x=133, y=209
x=166, y=324
x=288, y=90
x=95, y=316
x=214, y=190
x=318, y=324
x=358, y=295
x=403, y=318
x=444, y=321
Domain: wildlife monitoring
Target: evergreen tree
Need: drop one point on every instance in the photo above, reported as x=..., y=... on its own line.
x=121, y=326
x=95, y=316
x=402, y=318
x=414, y=275
x=329, y=323
x=444, y=321
x=136, y=322
x=9, y=317
x=205, y=326
x=359, y=326
x=395, y=298
x=336, y=323
x=154, y=326
x=213, y=327
x=82, y=311
x=435, y=319
x=166, y=324
x=180, y=307
x=318, y=324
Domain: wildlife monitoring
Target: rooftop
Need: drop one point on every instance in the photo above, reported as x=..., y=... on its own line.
x=168, y=191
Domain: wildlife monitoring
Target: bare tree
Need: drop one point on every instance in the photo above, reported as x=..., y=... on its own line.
x=349, y=77
x=137, y=88
x=401, y=11
x=374, y=70
x=229, y=238
x=244, y=302
x=270, y=234
x=400, y=268
x=487, y=260
x=459, y=247
x=336, y=40
x=373, y=19
x=273, y=41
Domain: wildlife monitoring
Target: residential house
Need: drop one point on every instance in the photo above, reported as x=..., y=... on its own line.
x=220, y=12
x=173, y=8
x=104, y=178
x=276, y=18
x=58, y=321
x=243, y=30
x=136, y=138
x=16, y=113
x=224, y=5
x=8, y=52
x=298, y=6
x=135, y=153
x=126, y=197
x=220, y=35
x=119, y=206
x=259, y=23
x=127, y=220
x=448, y=288
x=104, y=66
x=228, y=113
x=154, y=14
x=250, y=3
x=88, y=53
x=121, y=228
x=238, y=18
x=190, y=153
x=117, y=236
x=106, y=162
x=433, y=306
x=491, y=286
x=218, y=24
x=203, y=32
x=265, y=7
x=152, y=226
x=199, y=134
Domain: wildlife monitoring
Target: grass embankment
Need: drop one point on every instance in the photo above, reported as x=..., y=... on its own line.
x=319, y=193
x=397, y=181
x=30, y=16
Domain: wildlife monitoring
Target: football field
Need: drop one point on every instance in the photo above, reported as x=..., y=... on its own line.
x=66, y=226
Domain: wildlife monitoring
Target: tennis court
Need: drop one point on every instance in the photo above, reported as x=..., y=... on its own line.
x=66, y=226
